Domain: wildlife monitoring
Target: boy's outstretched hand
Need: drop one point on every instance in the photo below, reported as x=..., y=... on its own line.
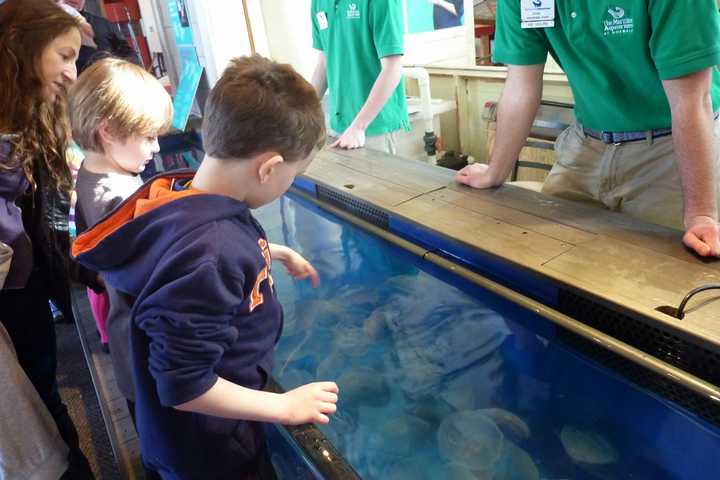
x=311, y=403
x=295, y=264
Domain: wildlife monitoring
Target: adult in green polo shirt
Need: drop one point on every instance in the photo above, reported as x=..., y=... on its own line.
x=360, y=60
x=645, y=85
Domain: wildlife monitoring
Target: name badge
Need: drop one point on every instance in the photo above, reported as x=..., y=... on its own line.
x=322, y=20
x=537, y=13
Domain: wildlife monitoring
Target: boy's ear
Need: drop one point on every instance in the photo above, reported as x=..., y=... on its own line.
x=267, y=163
x=104, y=133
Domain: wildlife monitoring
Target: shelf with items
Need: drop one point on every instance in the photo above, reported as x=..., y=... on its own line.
x=125, y=14
x=484, y=15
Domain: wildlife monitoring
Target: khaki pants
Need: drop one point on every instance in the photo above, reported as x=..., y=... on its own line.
x=638, y=178
x=386, y=142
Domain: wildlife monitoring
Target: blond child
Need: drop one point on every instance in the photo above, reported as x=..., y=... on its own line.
x=117, y=110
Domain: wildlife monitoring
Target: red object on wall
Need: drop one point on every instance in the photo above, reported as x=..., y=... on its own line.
x=484, y=33
x=144, y=51
x=484, y=30
x=118, y=11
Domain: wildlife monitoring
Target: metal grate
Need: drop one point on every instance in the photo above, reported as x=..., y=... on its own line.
x=663, y=345
x=686, y=398
x=360, y=208
x=79, y=394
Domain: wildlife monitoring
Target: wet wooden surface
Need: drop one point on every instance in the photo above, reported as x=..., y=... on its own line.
x=609, y=255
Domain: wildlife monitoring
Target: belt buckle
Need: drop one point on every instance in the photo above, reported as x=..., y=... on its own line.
x=607, y=137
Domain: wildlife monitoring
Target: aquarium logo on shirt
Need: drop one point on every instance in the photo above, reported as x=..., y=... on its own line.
x=353, y=12
x=617, y=23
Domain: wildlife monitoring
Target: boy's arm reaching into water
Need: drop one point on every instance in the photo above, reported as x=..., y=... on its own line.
x=191, y=320
x=309, y=403
x=295, y=264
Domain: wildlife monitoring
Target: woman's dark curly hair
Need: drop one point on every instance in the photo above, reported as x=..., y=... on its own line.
x=41, y=127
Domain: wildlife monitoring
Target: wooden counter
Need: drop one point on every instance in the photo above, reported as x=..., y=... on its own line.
x=623, y=261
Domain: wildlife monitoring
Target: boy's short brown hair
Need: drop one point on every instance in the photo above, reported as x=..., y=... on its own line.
x=132, y=101
x=262, y=106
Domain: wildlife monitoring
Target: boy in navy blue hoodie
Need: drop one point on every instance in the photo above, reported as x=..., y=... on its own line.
x=206, y=318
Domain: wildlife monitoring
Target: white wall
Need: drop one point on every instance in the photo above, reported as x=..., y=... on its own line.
x=449, y=47
x=165, y=35
x=289, y=33
x=151, y=28
x=289, y=36
x=219, y=32
x=282, y=30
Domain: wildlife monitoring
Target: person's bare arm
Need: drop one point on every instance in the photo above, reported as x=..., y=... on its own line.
x=449, y=6
x=295, y=264
x=309, y=403
x=319, y=78
x=692, y=125
x=384, y=86
x=516, y=111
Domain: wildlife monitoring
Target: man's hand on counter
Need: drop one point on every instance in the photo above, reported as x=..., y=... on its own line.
x=478, y=175
x=702, y=235
x=353, y=137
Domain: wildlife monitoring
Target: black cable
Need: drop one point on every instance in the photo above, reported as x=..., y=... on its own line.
x=681, y=308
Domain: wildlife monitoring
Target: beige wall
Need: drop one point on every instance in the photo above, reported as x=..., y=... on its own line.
x=288, y=31
x=465, y=130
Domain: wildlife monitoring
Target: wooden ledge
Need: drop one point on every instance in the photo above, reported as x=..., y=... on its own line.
x=611, y=256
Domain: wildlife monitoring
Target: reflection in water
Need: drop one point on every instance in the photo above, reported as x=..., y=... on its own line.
x=438, y=379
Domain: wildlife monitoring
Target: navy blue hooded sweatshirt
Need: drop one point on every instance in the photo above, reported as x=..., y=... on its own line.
x=198, y=266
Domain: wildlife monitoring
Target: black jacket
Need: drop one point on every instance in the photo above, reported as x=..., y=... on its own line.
x=109, y=41
x=36, y=225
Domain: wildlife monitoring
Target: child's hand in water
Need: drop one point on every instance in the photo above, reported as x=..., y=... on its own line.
x=311, y=403
x=295, y=264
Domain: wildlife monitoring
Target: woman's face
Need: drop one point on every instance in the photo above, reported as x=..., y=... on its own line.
x=57, y=64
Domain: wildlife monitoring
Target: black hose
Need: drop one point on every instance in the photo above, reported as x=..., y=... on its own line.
x=681, y=308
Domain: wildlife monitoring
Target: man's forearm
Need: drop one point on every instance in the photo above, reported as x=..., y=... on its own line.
x=319, y=78
x=692, y=125
x=449, y=6
x=516, y=111
x=382, y=89
x=694, y=147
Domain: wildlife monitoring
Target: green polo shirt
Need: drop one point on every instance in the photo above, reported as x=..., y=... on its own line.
x=616, y=54
x=355, y=35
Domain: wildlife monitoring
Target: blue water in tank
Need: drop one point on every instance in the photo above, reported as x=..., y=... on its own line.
x=440, y=379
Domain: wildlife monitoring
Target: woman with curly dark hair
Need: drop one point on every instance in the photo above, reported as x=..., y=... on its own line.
x=39, y=44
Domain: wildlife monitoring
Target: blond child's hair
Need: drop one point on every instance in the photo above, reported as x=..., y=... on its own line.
x=132, y=101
